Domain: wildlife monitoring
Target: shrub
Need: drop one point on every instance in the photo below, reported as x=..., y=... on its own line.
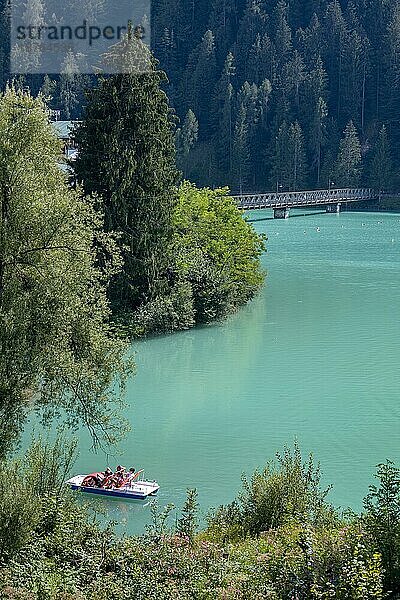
x=382, y=520
x=286, y=490
x=19, y=511
x=165, y=314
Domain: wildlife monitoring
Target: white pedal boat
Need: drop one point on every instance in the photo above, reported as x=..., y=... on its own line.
x=135, y=490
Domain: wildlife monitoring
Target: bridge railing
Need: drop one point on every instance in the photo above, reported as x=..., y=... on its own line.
x=309, y=197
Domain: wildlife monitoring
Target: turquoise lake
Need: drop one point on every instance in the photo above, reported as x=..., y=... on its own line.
x=314, y=357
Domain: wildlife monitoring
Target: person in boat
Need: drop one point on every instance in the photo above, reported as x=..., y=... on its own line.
x=99, y=478
x=130, y=476
x=119, y=476
x=107, y=479
x=90, y=480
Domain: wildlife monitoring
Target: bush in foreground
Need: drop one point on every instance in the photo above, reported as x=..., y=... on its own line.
x=306, y=554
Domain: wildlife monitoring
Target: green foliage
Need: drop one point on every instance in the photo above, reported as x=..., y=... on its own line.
x=186, y=138
x=19, y=511
x=127, y=156
x=49, y=464
x=382, y=520
x=214, y=265
x=380, y=174
x=284, y=491
x=241, y=150
x=215, y=251
x=348, y=164
x=173, y=311
x=27, y=486
x=304, y=562
x=61, y=552
x=187, y=524
x=58, y=349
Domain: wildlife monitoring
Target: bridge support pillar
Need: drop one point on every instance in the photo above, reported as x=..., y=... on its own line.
x=281, y=213
x=333, y=208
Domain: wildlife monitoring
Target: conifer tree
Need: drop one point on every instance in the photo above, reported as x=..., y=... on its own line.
x=262, y=63
x=202, y=78
x=58, y=350
x=127, y=156
x=348, y=163
x=317, y=138
x=283, y=34
x=298, y=167
x=48, y=90
x=223, y=113
x=253, y=22
x=186, y=139
x=310, y=40
x=380, y=174
x=391, y=88
x=264, y=91
x=280, y=160
x=335, y=31
x=71, y=86
x=294, y=76
x=241, y=152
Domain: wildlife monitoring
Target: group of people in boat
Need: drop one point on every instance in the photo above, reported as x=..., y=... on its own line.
x=109, y=480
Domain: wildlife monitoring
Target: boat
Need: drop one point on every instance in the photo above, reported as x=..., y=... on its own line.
x=135, y=489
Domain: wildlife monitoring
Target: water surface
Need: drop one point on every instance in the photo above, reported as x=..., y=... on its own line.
x=314, y=357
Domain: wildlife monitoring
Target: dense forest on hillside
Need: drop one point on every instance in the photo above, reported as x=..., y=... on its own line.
x=274, y=94
x=287, y=94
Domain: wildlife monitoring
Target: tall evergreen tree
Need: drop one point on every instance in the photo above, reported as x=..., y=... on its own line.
x=294, y=76
x=241, y=152
x=283, y=34
x=223, y=123
x=280, y=160
x=186, y=139
x=348, y=163
x=297, y=157
x=335, y=32
x=311, y=40
x=71, y=86
x=254, y=22
x=202, y=79
x=317, y=139
x=127, y=156
x=380, y=173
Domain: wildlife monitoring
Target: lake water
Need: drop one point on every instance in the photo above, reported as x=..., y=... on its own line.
x=314, y=357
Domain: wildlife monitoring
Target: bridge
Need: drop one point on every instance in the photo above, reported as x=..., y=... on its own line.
x=282, y=202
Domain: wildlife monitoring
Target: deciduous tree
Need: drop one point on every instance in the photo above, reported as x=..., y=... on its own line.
x=58, y=349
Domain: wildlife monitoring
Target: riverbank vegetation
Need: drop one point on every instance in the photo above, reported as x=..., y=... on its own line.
x=59, y=349
x=188, y=256
x=83, y=271
x=279, y=539
x=214, y=265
